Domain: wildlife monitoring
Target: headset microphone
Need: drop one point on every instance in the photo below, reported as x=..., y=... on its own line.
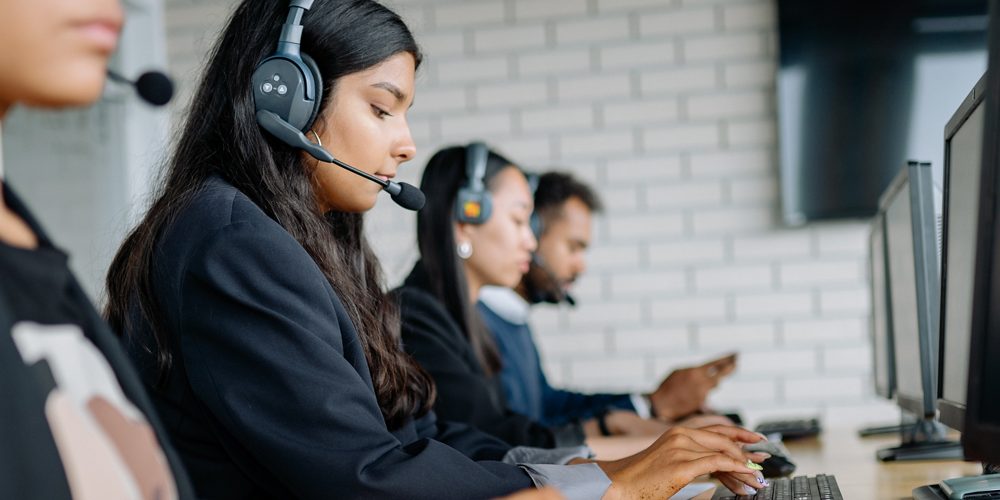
x=152, y=86
x=554, y=292
x=402, y=193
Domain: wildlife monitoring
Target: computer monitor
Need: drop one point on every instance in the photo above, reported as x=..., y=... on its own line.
x=981, y=430
x=913, y=299
x=881, y=319
x=963, y=148
x=977, y=413
x=910, y=230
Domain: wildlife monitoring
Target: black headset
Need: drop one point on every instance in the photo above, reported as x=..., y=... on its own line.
x=288, y=82
x=287, y=95
x=474, y=204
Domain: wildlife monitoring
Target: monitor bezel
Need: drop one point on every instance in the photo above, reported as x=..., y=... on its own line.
x=952, y=413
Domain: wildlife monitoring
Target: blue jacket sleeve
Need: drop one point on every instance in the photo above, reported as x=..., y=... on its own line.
x=269, y=350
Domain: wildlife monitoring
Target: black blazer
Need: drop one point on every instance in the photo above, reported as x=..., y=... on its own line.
x=30, y=465
x=465, y=393
x=270, y=394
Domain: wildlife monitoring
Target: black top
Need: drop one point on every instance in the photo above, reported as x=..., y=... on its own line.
x=465, y=392
x=270, y=394
x=37, y=288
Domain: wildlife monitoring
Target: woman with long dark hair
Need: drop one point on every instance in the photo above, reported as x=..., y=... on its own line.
x=75, y=421
x=254, y=306
x=457, y=259
x=475, y=232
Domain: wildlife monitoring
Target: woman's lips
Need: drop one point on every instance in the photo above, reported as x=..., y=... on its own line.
x=103, y=34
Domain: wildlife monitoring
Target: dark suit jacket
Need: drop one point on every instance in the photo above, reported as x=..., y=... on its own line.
x=270, y=394
x=30, y=464
x=465, y=393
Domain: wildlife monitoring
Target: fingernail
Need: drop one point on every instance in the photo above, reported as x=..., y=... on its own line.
x=753, y=466
x=762, y=455
x=761, y=435
x=762, y=481
x=749, y=490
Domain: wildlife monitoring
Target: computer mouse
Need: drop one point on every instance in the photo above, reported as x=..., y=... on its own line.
x=777, y=466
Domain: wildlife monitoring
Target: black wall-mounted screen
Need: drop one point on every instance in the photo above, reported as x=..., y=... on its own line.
x=864, y=85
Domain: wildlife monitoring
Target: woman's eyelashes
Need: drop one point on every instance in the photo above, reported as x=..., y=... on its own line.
x=380, y=113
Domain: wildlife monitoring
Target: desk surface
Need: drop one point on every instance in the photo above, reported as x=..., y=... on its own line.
x=860, y=475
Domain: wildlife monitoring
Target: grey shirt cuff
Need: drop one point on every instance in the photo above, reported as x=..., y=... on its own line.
x=575, y=482
x=558, y=456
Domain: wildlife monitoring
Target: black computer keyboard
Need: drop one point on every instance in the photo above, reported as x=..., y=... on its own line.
x=790, y=429
x=818, y=487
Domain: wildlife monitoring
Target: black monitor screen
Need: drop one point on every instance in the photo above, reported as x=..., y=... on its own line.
x=963, y=162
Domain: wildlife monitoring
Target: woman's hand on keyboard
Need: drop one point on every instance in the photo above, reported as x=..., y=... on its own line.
x=678, y=457
x=737, y=481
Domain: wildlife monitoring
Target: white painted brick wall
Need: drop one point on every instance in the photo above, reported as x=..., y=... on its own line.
x=505, y=96
x=677, y=22
x=637, y=55
x=590, y=88
x=677, y=80
x=689, y=309
x=667, y=107
x=509, y=38
x=466, y=13
x=592, y=30
x=637, y=113
x=527, y=10
x=727, y=335
x=688, y=251
x=554, y=62
x=642, y=341
x=714, y=279
x=638, y=171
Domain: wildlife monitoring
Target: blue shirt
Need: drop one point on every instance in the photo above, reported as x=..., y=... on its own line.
x=522, y=379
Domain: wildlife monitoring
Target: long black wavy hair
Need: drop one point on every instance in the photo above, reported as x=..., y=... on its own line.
x=221, y=137
x=444, y=175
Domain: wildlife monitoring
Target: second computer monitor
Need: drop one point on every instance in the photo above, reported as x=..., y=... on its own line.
x=911, y=240
x=962, y=172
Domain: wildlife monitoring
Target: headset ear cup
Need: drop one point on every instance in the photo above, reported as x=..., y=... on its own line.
x=317, y=81
x=473, y=203
x=279, y=86
x=473, y=207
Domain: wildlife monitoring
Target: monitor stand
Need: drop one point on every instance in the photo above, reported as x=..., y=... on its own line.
x=924, y=441
x=904, y=426
x=962, y=487
x=882, y=430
